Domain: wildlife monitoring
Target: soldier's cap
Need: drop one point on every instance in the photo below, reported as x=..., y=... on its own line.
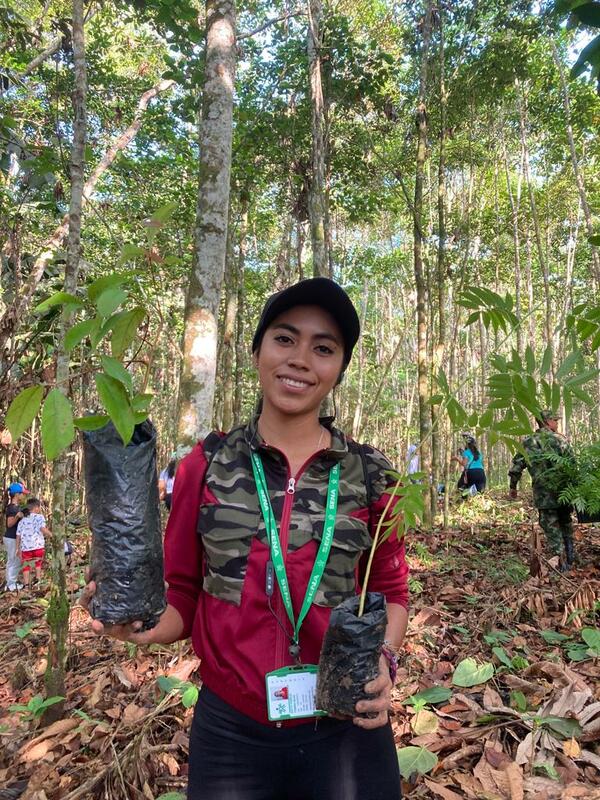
x=547, y=414
x=322, y=292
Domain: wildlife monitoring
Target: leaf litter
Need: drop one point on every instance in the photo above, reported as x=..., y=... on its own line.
x=530, y=728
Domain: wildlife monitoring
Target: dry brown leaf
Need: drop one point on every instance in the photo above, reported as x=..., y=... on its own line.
x=424, y=721
x=114, y=712
x=126, y=676
x=497, y=757
x=571, y=748
x=470, y=785
x=441, y=791
x=96, y=695
x=58, y=728
x=578, y=790
x=515, y=781
x=426, y=617
x=589, y=758
x=465, y=752
x=494, y=781
x=171, y=763
x=539, y=788
x=36, y=752
x=428, y=740
x=450, y=724
x=184, y=669
x=133, y=714
x=147, y=791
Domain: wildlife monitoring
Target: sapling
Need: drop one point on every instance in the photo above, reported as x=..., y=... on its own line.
x=352, y=645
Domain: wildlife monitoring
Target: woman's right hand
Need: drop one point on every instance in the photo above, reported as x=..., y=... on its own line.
x=168, y=629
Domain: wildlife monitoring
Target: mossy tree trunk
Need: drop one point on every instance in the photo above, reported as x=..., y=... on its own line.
x=197, y=384
x=58, y=609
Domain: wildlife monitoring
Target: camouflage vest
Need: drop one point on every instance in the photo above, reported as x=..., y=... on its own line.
x=230, y=519
x=547, y=475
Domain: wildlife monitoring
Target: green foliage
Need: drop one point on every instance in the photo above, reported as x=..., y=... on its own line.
x=187, y=690
x=35, y=707
x=469, y=673
x=577, y=481
x=23, y=410
x=415, y=759
x=25, y=629
x=433, y=695
x=58, y=430
x=490, y=307
x=107, y=315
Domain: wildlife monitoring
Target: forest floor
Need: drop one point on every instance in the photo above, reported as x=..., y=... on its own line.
x=498, y=697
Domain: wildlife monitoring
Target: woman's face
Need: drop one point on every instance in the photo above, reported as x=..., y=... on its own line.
x=300, y=359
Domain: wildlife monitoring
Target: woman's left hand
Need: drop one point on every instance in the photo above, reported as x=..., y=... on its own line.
x=381, y=702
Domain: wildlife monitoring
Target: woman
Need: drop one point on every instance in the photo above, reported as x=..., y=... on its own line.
x=166, y=481
x=222, y=587
x=471, y=461
x=13, y=513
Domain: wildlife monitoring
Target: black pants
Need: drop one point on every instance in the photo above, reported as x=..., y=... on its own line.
x=168, y=499
x=476, y=477
x=232, y=757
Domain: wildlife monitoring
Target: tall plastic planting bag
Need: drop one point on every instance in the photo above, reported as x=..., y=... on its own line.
x=124, y=517
x=350, y=654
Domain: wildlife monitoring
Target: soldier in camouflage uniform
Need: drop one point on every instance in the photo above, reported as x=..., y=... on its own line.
x=555, y=519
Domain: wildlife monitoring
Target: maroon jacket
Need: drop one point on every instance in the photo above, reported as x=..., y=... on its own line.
x=216, y=554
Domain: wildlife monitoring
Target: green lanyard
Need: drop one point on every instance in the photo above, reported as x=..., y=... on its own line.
x=275, y=544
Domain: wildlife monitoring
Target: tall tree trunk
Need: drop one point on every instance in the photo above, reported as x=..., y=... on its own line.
x=360, y=360
x=18, y=310
x=58, y=608
x=230, y=313
x=515, y=202
x=317, y=198
x=577, y=171
x=240, y=346
x=198, y=369
x=534, y=214
x=438, y=453
x=423, y=366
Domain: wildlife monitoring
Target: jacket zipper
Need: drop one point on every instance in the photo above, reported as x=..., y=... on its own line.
x=281, y=642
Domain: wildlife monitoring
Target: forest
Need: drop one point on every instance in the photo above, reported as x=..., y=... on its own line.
x=165, y=165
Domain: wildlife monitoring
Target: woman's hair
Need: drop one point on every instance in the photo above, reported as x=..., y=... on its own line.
x=472, y=445
x=172, y=466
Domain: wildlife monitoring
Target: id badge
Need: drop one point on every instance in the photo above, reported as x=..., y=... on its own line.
x=292, y=692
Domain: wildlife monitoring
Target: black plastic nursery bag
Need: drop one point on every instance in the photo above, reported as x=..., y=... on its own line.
x=124, y=517
x=350, y=653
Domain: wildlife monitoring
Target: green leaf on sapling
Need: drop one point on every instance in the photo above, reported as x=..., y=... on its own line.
x=59, y=299
x=58, y=430
x=115, y=400
x=91, y=423
x=116, y=370
x=125, y=329
x=110, y=299
x=23, y=410
x=78, y=332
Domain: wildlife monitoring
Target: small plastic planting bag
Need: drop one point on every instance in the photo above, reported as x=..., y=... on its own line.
x=124, y=516
x=350, y=654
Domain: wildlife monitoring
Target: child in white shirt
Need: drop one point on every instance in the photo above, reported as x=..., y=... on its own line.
x=30, y=539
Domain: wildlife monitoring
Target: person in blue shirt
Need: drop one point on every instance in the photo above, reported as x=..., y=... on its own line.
x=471, y=461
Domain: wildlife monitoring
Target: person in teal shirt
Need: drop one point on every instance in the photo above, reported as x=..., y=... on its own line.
x=473, y=476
